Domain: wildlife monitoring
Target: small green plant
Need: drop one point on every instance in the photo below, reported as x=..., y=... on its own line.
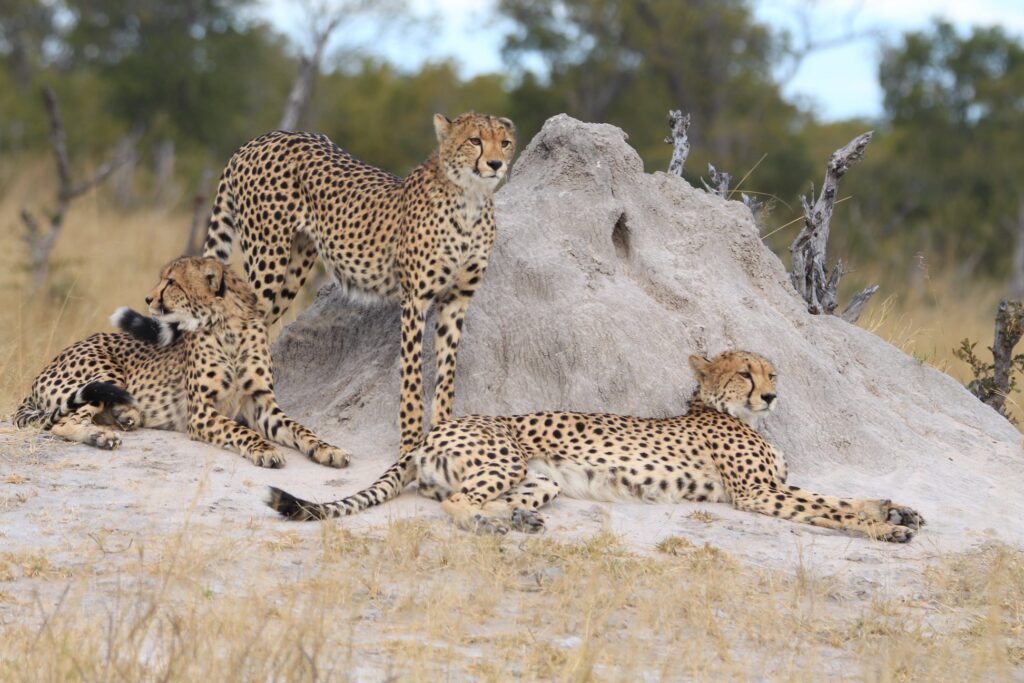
x=994, y=381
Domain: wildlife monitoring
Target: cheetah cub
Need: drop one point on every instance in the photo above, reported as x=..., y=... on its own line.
x=203, y=356
x=493, y=473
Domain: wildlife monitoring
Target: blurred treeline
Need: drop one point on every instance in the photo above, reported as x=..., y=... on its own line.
x=197, y=78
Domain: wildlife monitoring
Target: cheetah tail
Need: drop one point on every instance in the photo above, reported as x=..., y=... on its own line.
x=101, y=392
x=31, y=415
x=220, y=232
x=144, y=328
x=388, y=486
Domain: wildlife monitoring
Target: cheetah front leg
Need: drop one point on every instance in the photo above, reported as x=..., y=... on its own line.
x=263, y=413
x=451, y=312
x=206, y=424
x=80, y=426
x=879, y=510
x=410, y=412
x=785, y=504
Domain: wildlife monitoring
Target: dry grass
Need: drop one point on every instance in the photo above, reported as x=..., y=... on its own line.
x=423, y=602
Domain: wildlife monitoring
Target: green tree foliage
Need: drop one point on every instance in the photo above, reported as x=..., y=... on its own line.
x=947, y=178
x=629, y=61
x=187, y=69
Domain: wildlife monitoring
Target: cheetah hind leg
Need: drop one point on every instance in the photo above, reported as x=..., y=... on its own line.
x=79, y=426
x=126, y=417
x=534, y=492
x=515, y=509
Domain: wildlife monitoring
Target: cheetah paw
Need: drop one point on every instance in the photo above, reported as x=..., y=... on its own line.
x=326, y=454
x=268, y=457
x=905, y=516
x=104, y=439
x=488, y=525
x=527, y=521
x=897, y=534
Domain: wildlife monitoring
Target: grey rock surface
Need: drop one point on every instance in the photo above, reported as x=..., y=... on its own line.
x=603, y=280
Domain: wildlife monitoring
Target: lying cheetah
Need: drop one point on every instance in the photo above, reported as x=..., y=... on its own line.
x=420, y=240
x=494, y=472
x=204, y=356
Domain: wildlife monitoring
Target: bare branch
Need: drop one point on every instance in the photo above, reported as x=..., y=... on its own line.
x=678, y=125
x=807, y=253
x=41, y=242
x=856, y=306
x=719, y=182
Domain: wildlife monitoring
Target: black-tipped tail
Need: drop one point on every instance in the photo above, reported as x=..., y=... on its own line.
x=389, y=485
x=144, y=328
x=102, y=392
x=291, y=507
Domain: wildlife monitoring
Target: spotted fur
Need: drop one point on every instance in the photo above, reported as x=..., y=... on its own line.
x=493, y=473
x=421, y=240
x=216, y=364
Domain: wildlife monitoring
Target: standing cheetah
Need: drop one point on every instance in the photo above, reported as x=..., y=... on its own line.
x=203, y=357
x=494, y=472
x=420, y=240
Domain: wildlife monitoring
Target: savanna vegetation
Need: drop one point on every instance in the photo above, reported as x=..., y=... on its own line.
x=935, y=214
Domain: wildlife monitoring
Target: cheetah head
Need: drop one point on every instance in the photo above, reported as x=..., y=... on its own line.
x=739, y=383
x=474, y=150
x=193, y=292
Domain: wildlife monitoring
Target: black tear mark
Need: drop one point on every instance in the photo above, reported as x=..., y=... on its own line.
x=621, y=237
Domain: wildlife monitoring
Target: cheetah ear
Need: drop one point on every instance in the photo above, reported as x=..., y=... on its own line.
x=214, y=274
x=442, y=124
x=509, y=126
x=700, y=365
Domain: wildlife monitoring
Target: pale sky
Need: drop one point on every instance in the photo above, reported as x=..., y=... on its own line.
x=836, y=83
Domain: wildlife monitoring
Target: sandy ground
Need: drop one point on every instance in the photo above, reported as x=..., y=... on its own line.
x=55, y=494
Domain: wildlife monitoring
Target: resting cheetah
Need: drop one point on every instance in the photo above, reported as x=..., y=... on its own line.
x=423, y=239
x=494, y=472
x=204, y=356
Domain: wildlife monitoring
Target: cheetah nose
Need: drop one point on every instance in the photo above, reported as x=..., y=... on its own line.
x=767, y=398
x=495, y=164
x=149, y=300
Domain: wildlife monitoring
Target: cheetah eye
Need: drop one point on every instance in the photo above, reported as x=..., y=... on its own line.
x=745, y=374
x=505, y=144
x=171, y=282
x=474, y=141
x=771, y=377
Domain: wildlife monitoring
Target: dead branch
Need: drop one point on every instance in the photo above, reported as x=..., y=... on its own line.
x=41, y=241
x=199, y=202
x=1017, y=276
x=851, y=313
x=719, y=185
x=994, y=381
x=309, y=68
x=807, y=253
x=678, y=125
x=1009, y=329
